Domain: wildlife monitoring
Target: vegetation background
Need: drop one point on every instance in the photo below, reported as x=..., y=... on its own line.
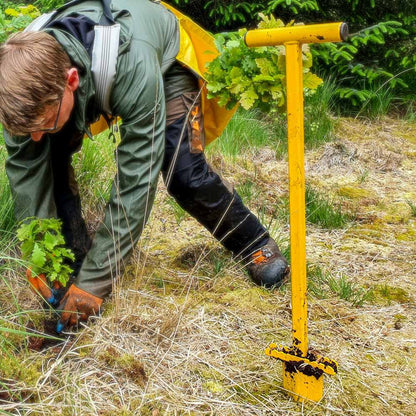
x=184, y=331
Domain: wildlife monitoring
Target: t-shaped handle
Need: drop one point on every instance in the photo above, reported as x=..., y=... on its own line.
x=320, y=33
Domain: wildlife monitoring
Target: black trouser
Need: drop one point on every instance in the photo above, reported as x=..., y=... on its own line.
x=189, y=179
x=204, y=195
x=67, y=199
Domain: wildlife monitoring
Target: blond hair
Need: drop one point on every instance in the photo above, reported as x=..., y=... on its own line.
x=33, y=69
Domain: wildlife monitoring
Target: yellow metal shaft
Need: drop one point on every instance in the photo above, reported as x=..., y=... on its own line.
x=294, y=82
x=302, y=371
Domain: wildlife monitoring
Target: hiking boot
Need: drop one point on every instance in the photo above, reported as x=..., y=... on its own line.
x=268, y=267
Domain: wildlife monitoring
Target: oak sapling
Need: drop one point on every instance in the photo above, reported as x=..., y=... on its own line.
x=43, y=247
x=254, y=77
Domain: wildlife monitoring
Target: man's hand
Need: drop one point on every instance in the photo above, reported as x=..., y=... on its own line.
x=40, y=286
x=77, y=305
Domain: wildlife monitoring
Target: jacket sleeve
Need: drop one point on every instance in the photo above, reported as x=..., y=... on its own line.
x=29, y=169
x=138, y=98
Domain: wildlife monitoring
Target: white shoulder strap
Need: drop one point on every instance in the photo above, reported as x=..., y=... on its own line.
x=104, y=61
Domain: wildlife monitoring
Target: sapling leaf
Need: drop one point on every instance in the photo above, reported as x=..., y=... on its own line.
x=38, y=256
x=51, y=241
x=311, y=81
x=43, y=246
x=252, y=76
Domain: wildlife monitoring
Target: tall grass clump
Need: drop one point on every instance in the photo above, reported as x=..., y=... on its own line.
x=7, y=220
x=412, y=207
x=319, y=122
x=179, y=213
x=246, y=130
x=323, y=285
x=252, y=129
x=324, y=213
x=381, y=102
x=95, y=168
x=410, y=111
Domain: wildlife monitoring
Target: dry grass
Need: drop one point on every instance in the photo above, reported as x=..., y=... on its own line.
x=185, y=331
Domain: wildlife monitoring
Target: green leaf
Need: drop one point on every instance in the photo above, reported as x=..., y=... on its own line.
x=248, y=98
x=265, y=66
x=233, y=44
x=43, y=245
x=311, y=81
x=38, y=256
x=53, y=276
x=307, y=60
x=27, y=248
x=263, y=78
x=52, y=240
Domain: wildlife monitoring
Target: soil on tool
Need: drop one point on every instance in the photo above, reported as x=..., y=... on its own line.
x=302, y=367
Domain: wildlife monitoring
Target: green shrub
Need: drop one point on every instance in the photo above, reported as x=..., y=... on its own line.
x=218, y=15
x=15, y=18
x=255, y=77
x=379, y=56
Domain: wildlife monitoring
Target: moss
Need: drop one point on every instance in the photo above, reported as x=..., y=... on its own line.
x=85, y=350
x=358, y=397
x=399, y=321
x=213, y=386
x=16, y=337
x=354, y=192
x=253, y=298
x=411, y=154
x=396, y=218
x=409, y=136
x=133, y=368
x=409, y=235
x=11, y=367
x=374, y=232
x=130, y=365
x=386, y=294
x=121, y=412
x=208, y=373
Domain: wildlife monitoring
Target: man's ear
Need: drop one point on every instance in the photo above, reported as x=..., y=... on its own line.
x=72, y=79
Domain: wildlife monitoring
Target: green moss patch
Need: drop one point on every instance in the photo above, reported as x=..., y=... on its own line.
x=386, y=295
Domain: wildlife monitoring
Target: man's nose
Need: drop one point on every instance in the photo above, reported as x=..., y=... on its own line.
x=37, y=136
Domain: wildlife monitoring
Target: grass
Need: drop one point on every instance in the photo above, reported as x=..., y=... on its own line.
x=320, y=211
x=253, y=132
x=179, y=213
x=185, y=329
x=248, y=191
x=410, y=110
x=322, y=285
x=326, y=214
x=381, y=102
x=412, y=207
x=319, y=122
x=7, y=221
x=95, y=165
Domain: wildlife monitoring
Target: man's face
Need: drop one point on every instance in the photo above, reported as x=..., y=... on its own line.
x=58, y=114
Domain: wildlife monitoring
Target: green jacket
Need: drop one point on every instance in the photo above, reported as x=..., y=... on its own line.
x=149, y=44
